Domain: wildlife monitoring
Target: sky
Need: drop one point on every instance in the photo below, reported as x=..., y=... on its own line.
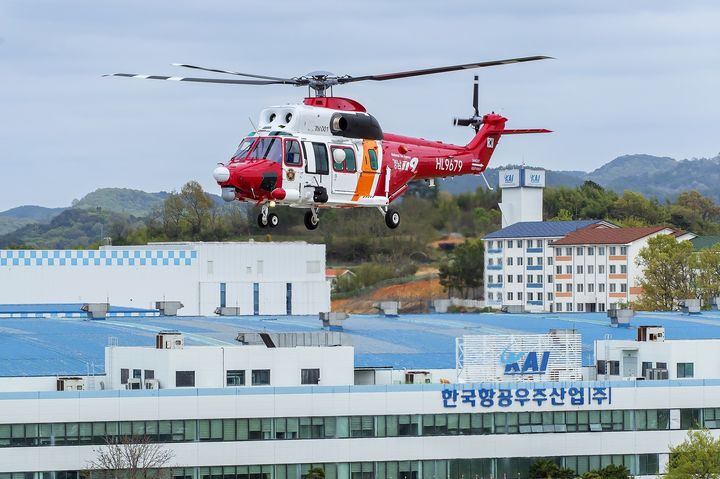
x=628, y=77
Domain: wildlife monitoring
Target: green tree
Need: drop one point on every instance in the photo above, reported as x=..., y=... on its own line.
x=632, y=205
x=198, y=207
x=316, y=473
x=549, y=469
x=696, y=457
x=614, y=471
x=668, y=273
x=463, y=269
x=707, y=264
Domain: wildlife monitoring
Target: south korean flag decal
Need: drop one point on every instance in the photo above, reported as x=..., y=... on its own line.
x=490, y=142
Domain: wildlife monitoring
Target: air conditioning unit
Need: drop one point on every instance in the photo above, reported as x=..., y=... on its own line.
x=70, y=384
x=656, y=374
x=169, y=340
x=152, y=384
x=134, y=383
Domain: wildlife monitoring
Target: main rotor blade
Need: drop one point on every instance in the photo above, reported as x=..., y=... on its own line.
x=229, y=72
x=202, y=80
x=475, y=96
x=431, y=71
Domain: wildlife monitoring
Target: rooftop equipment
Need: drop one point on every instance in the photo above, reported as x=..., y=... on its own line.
x=651, y=334
x=169, y=340
x=168, y=308
x=96, y=310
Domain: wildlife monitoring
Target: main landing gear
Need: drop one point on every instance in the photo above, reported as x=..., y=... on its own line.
x=266, y=218
x=392, y=217
x=312, y=220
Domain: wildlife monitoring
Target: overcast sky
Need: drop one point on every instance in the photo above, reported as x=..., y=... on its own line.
x=630, y=77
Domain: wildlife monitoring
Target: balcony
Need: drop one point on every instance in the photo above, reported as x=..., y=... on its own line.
x=535, y=285
x=534, y=250
x=535, y=267
x=494, y=250
x=495, y=266
x=535, y=303
x=494, y=285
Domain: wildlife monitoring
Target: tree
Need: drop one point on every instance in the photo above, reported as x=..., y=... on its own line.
x=707, y=263
x=131, y=457
x=198, y=207
x=316, y=473
x=548, y=469
x=173, y=211
x=696, y=457
x=464, y=268
x=668, y=273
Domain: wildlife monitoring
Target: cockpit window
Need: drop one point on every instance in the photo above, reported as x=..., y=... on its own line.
x=268, y=148
x=243, y=149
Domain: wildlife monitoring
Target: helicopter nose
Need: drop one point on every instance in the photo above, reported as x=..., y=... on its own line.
x=221, y=174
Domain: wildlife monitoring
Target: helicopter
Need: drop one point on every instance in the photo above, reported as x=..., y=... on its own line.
x=329, y=152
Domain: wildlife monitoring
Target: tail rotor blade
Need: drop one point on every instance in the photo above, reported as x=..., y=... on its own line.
x=475, y=96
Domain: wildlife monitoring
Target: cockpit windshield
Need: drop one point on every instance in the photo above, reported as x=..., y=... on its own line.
x=243, y=149
x=268, y=148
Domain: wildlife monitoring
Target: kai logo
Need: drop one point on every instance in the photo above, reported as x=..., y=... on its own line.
x=524, y=363
x=535, y=178
x=509, y=178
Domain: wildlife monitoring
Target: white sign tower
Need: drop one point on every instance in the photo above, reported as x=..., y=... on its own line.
x=522, y=195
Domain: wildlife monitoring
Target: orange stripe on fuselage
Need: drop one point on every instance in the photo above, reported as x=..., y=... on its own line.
x=367, y=175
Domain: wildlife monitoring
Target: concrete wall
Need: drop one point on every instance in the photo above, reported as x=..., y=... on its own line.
x=211, y=364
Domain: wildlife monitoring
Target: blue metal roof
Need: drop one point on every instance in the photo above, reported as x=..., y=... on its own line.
x=42, y=347
x=62, y=308
x=540, y=229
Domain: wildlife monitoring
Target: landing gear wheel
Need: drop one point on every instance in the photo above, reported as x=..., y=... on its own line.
x=262, y=221
x=273, y=220
x=311, y=220
x=392, y=219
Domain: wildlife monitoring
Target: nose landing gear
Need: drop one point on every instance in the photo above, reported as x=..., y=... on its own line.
x=392, y=217
x=266, y=219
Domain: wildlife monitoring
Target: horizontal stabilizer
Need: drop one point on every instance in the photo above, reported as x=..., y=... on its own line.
x=525, y=131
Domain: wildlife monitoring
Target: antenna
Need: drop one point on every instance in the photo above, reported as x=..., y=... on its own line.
x=252, y=124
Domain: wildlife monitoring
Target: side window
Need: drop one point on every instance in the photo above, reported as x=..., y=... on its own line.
x=321, y=159
x=348, y=165
x=373, y=159
x=293, y=157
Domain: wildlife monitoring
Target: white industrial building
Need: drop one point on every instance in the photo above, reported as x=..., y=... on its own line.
x=251, y=277
x=274, y=412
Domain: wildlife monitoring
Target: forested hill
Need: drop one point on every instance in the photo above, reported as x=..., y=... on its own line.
x=653, y=176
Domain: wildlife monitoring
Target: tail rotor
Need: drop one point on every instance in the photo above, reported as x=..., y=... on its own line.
x=475, y=120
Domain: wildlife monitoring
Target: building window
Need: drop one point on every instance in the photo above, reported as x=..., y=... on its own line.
x=579, y=269
x=613, y=287
x=519, y=243
x=569, y=307
x=612, y=250
x=510, y=296
x=591, y=269
x=184, y=379
x=590, y=288
x=645, y=366
x=529, y=278
x=601, y=269
x=519, y=278
x=579, y=250
x=568, y=251
x=510, y=244
x=613, y=269
x=568, y=269
x=124, y=376
x=490, y=278
x=510, y=278
x=149, y=374
x=530, y=261
x=538, y=243
x=550, y=260
x=520, y=296
x=309, y=376
x=623, y=288
x=558, y=307
x=558, y=251
x=660, y=365
x=530, y=296
x=580, y=290
x=623, y=268
x=614, y=367
x=510, y=262
x=685, y=370
x=235, y=378
x=568, y=288
x=540, y=260
x=601, y=251
x=591, y=251
x=601, y=366
x=623, y=250
x=580, y=307
x=491, y=261
x=260, y=377
x=558, y=287
x=490, y=296
x=550, y=278
x=519, y=261
x=601, y=288
x=550, y=296
x=558, y=269
x=137, y=373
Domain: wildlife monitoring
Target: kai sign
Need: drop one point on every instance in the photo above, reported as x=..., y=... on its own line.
x=524, y=363
x=534, y=178
x=509, y=178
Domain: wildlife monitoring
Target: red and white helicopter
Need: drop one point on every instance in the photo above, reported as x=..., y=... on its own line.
x=328, y=152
